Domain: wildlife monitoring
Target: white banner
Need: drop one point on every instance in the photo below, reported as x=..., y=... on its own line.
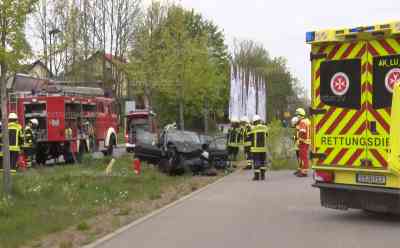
x=247, y=94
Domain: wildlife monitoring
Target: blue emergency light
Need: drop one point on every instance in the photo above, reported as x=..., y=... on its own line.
x=361, y=29
x=310, y=36
x=355, y=30
x=370, y=28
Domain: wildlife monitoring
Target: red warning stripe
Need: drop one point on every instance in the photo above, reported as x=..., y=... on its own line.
x=379, y=157
x=353, y=120
x=322, y=48
x=318, y=91
x=340, y=155
x=388, y=111
x=362, y=51
x=362, y=128
x=318, y=73
x=337, y=121
x=367, y=88
x=387, y=47
x=348, y=50
x=325, y=118
x=378, y=117
x=334, y=51
x=327, y=153
x=367, y=67
x=354, y=157
x=372, y=50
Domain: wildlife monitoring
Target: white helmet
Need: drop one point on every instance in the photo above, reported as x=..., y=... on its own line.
x=245, y=119
x=234, y=120
x=256, y=118
x=12, y=116
x=294, y=121
x=34, y=122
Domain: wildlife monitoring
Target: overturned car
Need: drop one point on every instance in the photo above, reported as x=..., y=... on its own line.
x=177, y=152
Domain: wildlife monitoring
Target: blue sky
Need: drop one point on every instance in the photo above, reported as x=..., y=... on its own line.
x=281, y=25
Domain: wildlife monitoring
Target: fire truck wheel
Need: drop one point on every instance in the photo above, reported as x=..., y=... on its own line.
x=41, y=158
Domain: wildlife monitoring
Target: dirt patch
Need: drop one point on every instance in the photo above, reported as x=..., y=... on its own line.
x=108, y=220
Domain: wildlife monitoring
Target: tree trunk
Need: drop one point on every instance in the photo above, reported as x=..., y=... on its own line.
x=181, y=109
x=206, y=114
x=181, y=115
x=4, y=131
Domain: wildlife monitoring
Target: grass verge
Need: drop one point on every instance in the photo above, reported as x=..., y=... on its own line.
x=77, y=204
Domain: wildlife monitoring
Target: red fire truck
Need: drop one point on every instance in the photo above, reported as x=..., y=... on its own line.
x=72, y=120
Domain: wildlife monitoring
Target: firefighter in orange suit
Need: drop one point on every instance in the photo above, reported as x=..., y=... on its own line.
x=304, y=141
x=295, y=125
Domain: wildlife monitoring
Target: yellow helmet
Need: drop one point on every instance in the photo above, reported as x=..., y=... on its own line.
x=300, y=112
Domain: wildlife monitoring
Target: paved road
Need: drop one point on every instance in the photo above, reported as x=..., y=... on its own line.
x=237, y=213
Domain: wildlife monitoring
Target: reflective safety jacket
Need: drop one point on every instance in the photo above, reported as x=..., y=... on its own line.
x=258, y=137
x=233, y=137
x=247, y=137
x=15, y=136
x=28, y=137
x=242, y=135
x=304, y=131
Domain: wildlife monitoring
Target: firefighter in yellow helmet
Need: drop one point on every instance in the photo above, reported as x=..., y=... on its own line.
x=258, y=149
x=16, y=138
x=233, y=139
x=247, y=142
x=304, y=141
x=30, y=139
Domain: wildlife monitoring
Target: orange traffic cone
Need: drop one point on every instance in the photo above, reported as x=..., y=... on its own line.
x=137, y=166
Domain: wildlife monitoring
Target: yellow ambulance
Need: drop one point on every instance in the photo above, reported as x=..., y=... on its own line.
x=354, y=74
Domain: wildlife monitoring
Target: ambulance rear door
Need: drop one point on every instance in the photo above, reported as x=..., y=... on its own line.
x=338, y=113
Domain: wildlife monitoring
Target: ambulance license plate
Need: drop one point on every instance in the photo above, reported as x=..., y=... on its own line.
x=371, y=179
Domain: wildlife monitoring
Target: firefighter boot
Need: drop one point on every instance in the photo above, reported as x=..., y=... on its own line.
x=249, y=165
x=256, y=175
x=262, y=174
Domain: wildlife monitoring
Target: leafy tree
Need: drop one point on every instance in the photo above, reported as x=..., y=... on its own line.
x=181, y=63
x=13, y=49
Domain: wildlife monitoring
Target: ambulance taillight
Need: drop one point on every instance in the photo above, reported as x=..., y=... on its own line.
x=323, y=176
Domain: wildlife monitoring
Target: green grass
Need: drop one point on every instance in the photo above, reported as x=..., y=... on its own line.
x=51, y=199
